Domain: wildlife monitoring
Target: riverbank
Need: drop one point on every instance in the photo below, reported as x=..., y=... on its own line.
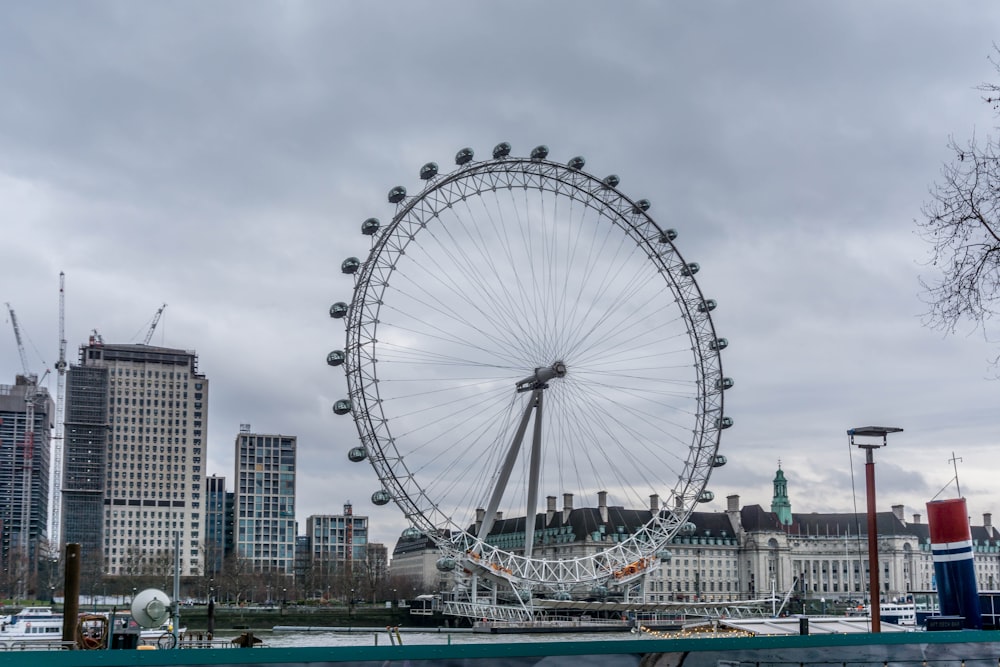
x=257, y=618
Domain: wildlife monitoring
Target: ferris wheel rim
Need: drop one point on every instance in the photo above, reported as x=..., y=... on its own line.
x=472, y=179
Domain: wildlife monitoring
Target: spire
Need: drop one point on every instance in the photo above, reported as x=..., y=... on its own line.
x=780, y=504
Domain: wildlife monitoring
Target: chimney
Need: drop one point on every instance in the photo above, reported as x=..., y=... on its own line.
x=480, y=515
x=654, y=503
x=602, y=505
x=567, y=506
x=550, y=510
x=733, y=513
x=916, y=519
x=988, y=523
x=897, y=511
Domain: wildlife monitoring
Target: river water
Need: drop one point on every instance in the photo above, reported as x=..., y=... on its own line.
x=373, y=637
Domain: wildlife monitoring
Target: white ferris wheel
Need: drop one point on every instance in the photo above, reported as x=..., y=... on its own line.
x=520, y=330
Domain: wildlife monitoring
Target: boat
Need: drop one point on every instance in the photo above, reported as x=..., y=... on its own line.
x=32, y=624
x=157, y=632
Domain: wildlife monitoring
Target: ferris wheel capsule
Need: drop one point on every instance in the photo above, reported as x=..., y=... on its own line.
x=338, y=310
x=370, y=226
x=719, y=344
x=350, y=265
x=335, y=358
x=397, y=194
x=342, y=407
x=381, y=497
x=641, y=206
x=464, y=156
x=428, y=171
x=357, y=454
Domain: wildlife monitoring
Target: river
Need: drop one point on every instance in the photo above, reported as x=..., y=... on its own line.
x=372, y=637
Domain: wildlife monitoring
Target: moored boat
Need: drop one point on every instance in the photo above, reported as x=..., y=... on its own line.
x=32, y=624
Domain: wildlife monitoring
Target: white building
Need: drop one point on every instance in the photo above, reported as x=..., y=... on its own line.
x=136, y=422
x=742, y=553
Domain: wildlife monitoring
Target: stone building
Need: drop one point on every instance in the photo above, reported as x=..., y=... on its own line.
x=744, y=552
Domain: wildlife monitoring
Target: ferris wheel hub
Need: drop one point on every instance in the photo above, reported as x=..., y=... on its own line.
x=541, y=376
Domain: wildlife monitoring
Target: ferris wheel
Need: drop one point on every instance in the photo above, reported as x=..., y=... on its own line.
x=520, y=330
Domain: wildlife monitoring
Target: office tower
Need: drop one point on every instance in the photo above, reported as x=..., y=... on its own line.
x=24, y=479
x=264, y=500
x=136, y=419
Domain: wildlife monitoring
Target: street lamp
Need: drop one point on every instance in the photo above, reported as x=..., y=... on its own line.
x=874, y=589
x=350, y=605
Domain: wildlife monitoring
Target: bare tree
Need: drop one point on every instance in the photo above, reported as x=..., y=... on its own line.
x=962, y=224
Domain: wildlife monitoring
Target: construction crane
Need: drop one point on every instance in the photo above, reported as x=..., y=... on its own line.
x=20, y=345
x=152, y=327
x=60, y=413
x=31, y=395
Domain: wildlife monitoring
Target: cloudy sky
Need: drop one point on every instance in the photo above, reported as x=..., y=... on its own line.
x=219, y=157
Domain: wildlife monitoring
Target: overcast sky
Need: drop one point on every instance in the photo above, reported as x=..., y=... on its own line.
x=219, y=157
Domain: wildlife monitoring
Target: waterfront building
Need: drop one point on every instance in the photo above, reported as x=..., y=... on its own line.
x=745, y=552
x=337, y=542
x=24, y=479
x=264, y=500
x=134, y=446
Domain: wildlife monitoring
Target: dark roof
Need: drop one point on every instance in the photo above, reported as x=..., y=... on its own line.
x=582, y=522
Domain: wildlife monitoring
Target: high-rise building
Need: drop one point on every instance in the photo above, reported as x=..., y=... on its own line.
x=134, y=446
x=264, y=500
x=337, y=541
x=24, y=478
x=218, y=524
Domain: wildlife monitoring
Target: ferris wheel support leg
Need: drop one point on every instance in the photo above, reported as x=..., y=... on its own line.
x=508, y=466
x=533, y=474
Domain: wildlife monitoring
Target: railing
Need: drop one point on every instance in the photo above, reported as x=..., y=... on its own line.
x=36, y=645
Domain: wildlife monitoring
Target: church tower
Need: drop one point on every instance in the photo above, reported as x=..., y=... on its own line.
x=780, y=504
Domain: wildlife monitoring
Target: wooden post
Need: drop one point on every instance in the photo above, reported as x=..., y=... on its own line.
x=71, y=586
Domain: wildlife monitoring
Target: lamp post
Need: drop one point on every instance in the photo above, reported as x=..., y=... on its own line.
x=874, y=589
x=350, y=605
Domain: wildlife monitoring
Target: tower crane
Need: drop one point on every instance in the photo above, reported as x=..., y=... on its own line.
x=60, y=414
x=31, y=395
x=152, y=327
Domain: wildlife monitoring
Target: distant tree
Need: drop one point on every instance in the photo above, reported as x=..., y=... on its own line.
x=238, y=578
x=961, y=221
